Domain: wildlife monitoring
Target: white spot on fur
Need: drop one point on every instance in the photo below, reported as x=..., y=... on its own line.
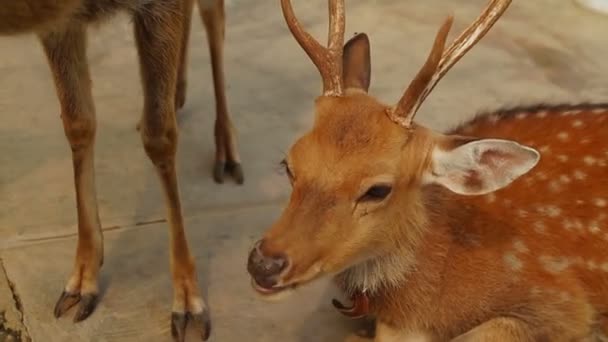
x=513, y=262
x=602, y=163
x=594, y=227
x=544, y=149
x=589, y=160
x=577, y=123
x=591, y=265
x=522, y=213
x=554, y=264
x=604, y=267
x=491, y=197
x=565, y=179
x=521, y=116
x=585, y=141
x=580, y=175
x=562, y=158
x=563, y=136
x=570, y=224
x=520, y=246
x=580, y=202
x=598, y=110
x=541, y=175
x=541, y=114
x=554, y=186
x=540, y=227
x=507, y=202
x=550, y=210
x=600, y=202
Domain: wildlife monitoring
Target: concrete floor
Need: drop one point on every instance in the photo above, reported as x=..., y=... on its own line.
x=542, y=50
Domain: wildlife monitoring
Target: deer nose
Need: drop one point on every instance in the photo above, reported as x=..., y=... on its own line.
x=265, y=269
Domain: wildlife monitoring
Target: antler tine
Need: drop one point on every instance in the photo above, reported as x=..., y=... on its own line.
x=434, y=69
x=327, y=60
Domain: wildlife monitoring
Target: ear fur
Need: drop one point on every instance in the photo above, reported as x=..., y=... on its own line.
x=356, y=71
x=480, y=166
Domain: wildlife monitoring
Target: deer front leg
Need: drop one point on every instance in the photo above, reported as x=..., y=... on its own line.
x=158, y=37
x=226, y=156
x=66, y=55
x=500, y=329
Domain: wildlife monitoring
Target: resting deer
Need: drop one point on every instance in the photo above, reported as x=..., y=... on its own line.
x=162, y=30
x=465, y=236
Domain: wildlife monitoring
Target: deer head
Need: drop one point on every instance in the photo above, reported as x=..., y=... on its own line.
x=358, y=174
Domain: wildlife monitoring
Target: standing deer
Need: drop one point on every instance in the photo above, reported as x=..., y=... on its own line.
x=465, y=236
x=161, y=30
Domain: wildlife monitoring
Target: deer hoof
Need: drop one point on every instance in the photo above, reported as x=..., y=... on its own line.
x=220, y=169
x=86, y=305
x=199, y=321
x=65, y=302
x=202, y=324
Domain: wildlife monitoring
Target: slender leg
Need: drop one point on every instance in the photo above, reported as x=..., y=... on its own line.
x=182, y=71
x=158, y=36
x=66, y=54
x=227, y=156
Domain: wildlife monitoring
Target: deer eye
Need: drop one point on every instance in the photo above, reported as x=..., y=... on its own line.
x=285, y=166
x=376, y=193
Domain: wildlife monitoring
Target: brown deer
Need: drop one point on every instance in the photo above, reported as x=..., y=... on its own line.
x=465, y=236
x=162, y=30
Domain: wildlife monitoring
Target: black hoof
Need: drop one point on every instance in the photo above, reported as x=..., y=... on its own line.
x=202, y=324
x=178, y=326
x=65, y=302
x=87, y=305
x=220, y=169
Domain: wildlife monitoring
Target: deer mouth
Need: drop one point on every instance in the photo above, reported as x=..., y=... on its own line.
x=272, y=290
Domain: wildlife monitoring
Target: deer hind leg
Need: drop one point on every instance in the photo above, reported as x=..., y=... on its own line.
x=182, y=70
x=499, y=329
x=227, y=158
x=577, y=328
x=66, y=55
x=158, y=37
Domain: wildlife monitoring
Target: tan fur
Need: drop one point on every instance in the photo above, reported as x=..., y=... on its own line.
x=162, y=31
x=527, y=262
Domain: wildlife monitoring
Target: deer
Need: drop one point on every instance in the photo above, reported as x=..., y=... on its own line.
x=162, y=31
x=495, y=230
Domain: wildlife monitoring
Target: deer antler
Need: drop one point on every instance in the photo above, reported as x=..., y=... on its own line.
x=328, y=60
x=439, y=62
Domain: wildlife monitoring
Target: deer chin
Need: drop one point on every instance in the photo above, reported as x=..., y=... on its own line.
x=275, y=293
x=284, y=288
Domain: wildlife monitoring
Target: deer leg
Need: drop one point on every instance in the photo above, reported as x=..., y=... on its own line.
x=66, y=55
x=158, y=37
x=182, y=70
x=226, y=156
x=500, y=329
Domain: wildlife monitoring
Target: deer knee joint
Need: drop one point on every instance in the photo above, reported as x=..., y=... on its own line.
x=80, y=132
x=160, y=144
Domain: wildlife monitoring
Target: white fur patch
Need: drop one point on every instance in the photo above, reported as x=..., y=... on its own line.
x=376, y=273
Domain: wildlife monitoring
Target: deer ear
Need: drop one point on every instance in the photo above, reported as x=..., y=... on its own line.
x=356, y=71
x=476, y=167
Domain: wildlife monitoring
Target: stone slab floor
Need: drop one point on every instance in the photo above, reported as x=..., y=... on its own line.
x=541, y=51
